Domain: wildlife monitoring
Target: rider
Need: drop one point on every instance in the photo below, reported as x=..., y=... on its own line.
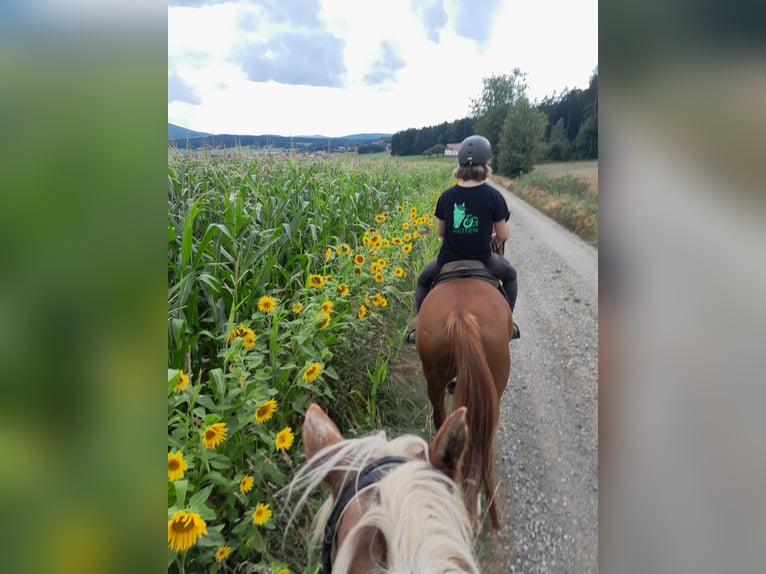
x=468, y=213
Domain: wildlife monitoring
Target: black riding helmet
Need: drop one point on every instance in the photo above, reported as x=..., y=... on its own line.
x=474, y=150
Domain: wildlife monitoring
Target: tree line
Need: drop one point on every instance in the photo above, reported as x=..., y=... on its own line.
x=560, y=128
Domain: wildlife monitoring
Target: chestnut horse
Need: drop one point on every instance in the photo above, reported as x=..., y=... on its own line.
x=464, y=328
x=394, y=505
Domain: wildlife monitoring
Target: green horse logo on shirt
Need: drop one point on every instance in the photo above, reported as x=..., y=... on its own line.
x=463, y=221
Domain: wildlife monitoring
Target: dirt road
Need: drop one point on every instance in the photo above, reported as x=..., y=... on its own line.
x=547, y=465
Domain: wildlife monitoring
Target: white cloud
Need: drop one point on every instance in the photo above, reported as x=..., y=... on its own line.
x=418, y=81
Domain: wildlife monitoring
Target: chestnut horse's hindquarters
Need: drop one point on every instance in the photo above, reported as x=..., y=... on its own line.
x=464, y=330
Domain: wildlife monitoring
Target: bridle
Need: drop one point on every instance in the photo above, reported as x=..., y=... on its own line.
x=368, y=476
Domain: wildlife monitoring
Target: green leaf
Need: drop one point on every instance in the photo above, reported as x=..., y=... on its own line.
x=173, y=376
x=216, y=377
x=200, y=497
x=211, y=539
x=181, y=486
x=186, y=243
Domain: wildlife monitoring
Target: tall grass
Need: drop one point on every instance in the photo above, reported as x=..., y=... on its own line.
x=289, y=281
x=567, y=199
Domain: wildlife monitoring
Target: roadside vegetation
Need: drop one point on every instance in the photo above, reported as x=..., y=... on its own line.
x=569, y=199
x=289, y=281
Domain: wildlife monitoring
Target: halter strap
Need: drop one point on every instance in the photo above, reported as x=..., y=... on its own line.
x=369, y=475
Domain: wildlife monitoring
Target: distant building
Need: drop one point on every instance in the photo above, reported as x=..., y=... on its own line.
x=451, y=149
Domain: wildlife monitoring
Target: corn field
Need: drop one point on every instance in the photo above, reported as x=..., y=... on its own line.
x=289, y=282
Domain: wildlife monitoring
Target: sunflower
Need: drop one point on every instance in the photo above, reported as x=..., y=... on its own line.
x=362, y=312
x=327, y=306
x=415, y=234
x=398, y=272
x=396, y=240
x=183, y=530
x=267, y=304
x=246, y=484
x=328, y=254
x=261, y=514
x=284, y=439
x=407, y=247
x=283, y=571
x=316, y=281
x=214, y=435
x=358, y=271
x=297, y=308
x=379, y=278
x=324, y=320
x=345, y=249
x=399, y=209
x=222, y=553
x=407, y=237
x=183, y=382
x=246, y=334
x=343, y=289
x=406, y=225
x=359, y=259
x=312, y=372
x=265, y=411
x=176, y=465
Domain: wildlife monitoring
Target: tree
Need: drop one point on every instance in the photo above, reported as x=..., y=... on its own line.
x=522, y=139
x=491, y=107
x=558, y=145
x=437, y=149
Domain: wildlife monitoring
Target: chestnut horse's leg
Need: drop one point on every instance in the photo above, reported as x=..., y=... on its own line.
x=436, y=392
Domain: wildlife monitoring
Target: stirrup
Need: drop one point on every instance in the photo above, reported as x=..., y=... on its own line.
x=516, y=332
x=411, y=337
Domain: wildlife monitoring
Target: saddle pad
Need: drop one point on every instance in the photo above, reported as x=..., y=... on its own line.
x=463, y=264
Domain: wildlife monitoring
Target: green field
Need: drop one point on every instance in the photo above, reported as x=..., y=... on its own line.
x=289, y=281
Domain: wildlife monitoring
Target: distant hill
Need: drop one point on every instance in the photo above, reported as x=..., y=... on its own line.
x=178, y=133
x=182, y=138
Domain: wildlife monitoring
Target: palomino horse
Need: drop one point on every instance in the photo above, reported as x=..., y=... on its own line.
x=464, y=328
x=394, y=504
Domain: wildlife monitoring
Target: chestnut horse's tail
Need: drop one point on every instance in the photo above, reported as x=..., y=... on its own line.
x=475, y=389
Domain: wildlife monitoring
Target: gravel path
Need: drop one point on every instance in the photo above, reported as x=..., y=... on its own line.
x=547, y=465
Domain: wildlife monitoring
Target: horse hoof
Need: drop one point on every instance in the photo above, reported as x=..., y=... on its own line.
x=451, y=386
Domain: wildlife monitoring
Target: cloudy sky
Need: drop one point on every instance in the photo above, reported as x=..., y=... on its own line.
x=338, y=67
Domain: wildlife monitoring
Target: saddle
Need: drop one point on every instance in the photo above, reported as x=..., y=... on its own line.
x=466, y=268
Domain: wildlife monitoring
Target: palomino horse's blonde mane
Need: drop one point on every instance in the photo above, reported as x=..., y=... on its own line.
x=419, y=511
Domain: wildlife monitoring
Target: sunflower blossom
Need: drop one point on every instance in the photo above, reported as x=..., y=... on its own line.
x=343, y=289
x=283, y=571
x=312, y=372
x=183, y=382
x=222, y=553
x=284, y=439
x=176, y=465
x=265, y=411
x=246, y=484
x=261, y=514
x=245, y=333
x=316, y=281
x=214, y=435
x=184, y=528
x=267, y=304
x=327, y=306
x=297, y=308
x=362, y=312
x=359, y=259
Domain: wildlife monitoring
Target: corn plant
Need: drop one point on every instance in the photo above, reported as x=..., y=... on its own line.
x=282, y=274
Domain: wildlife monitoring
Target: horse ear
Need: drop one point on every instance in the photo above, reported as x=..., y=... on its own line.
x=448, y=446
x=318, y=431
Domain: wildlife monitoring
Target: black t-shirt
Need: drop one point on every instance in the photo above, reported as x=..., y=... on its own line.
x=469, y=213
